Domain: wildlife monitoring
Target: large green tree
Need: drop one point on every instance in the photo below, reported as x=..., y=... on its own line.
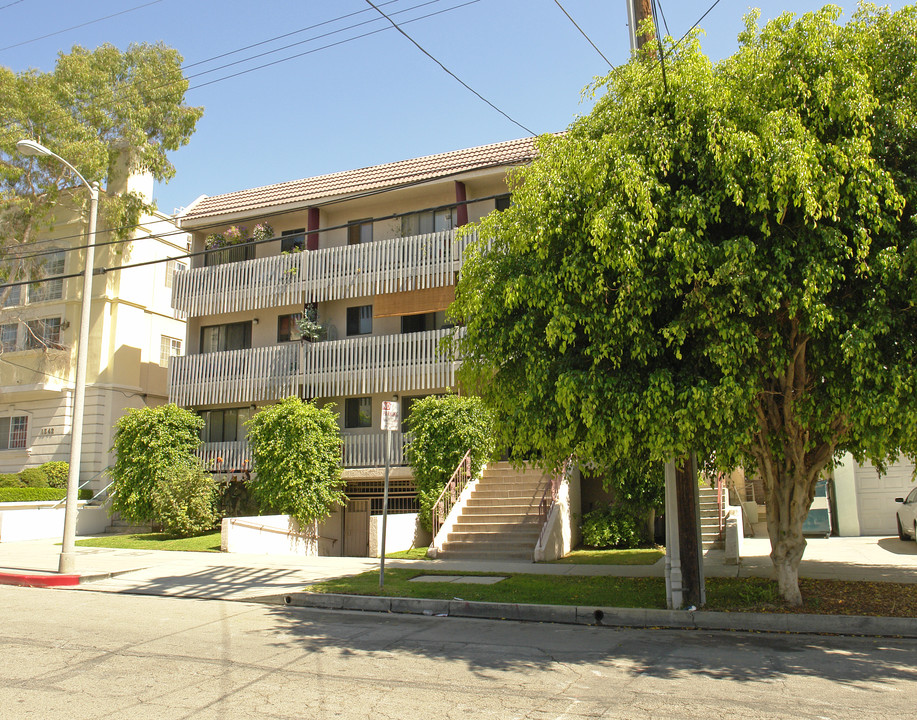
x=724, y=260
x=94, y=108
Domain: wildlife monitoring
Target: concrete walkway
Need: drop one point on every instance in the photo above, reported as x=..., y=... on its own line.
x=239, y=576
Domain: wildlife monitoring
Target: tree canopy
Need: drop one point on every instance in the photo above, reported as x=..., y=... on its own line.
x=98, y=109
x=296, y=458
x=720, y=261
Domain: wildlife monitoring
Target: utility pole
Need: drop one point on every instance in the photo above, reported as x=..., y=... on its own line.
x=637, y=12
x=684, y=561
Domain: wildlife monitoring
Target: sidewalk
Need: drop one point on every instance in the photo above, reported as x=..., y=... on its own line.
x=238, y=576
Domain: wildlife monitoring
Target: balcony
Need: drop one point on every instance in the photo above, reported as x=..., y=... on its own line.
x=235, y=376
x=376, y=364
x=350, y=271
x=354, y=366
x=359, y=450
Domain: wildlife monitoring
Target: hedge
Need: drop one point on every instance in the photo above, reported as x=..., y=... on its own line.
x=33, y=494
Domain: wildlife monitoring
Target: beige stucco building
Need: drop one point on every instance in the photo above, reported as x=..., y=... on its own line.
x=133, y=332
x=375, y=254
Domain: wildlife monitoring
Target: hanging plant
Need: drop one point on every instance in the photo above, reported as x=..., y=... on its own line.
x=233, y=235
x=262, y=232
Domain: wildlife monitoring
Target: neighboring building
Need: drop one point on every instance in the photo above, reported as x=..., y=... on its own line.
x=373, y=254
x=133, y=333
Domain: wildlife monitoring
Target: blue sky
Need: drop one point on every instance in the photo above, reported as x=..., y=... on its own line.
x=371, y=100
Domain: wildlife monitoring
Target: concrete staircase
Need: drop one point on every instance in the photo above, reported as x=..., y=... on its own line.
x=500, y=520
x=709, y=518
x=122, y=527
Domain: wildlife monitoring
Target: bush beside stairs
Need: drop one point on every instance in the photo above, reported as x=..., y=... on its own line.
x=500, y=520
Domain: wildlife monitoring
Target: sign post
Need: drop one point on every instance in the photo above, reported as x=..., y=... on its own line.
x=389, y=423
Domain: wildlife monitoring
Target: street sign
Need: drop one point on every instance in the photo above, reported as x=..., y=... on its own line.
x=390, y=416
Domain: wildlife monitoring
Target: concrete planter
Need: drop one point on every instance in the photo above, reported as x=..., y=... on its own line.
x=41, y=520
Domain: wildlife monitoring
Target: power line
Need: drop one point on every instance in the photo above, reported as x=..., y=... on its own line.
x=331, y=45
x=15, y=2
x=583, y=34
x=448, y=71
x=664, y=21
x=75, y=27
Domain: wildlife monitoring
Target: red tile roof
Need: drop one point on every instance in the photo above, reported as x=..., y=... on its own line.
x=390, y=175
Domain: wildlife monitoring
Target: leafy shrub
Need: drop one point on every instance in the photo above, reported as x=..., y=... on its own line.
x=9, y=480
x=56, y=472
x=184, y=502
x=151, y=444
x=296, y=458
x=36, y=494
x=33, y=478
x=443, y=429
x=235, y=499
x=614, y=526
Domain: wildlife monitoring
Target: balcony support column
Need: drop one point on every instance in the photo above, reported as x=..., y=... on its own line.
x=461, y=210
x=313, y=223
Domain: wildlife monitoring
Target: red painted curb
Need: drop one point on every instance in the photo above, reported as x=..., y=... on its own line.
x=29, y=580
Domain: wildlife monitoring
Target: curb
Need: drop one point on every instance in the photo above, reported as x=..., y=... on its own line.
x=609, y=617
x=53, y=580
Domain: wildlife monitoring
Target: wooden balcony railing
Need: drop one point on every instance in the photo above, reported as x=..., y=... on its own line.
x=380, y=267
x=235, y=376
x=377, y=363
x=359, y=450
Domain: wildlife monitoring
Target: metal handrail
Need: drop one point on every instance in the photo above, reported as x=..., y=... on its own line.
x=544, y=507
x=720, y=501
x=84, y=484
x=450, y=494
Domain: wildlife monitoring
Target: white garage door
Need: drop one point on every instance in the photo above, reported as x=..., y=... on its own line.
x=876, y=496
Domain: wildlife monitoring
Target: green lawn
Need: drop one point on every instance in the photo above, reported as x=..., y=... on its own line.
x=156, y=541
x=826, y=597
x=412, y=554
x=594, y=556
x=520, y=588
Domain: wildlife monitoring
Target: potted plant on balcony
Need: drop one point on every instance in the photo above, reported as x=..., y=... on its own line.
x=309, y=328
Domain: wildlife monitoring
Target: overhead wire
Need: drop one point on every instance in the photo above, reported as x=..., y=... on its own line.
x=75, y=27
x=448, y=71
x=583, y=33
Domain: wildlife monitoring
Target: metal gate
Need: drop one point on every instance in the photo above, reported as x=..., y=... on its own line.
x=356, y=528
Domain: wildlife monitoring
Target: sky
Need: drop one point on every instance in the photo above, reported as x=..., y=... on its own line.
x=347, y=101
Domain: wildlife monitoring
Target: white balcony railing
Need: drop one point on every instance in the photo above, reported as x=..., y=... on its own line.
x=354, y=366
x=350, y=271
x=235, y=376
x=377, y=363
x=368, y=449
x=359, y=450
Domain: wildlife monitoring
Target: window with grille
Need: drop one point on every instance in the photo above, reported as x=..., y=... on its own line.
x=172, y=267
x=168, y=347
x=44, y=333
x=8, y=337
x=14, y=432
x=49, y=288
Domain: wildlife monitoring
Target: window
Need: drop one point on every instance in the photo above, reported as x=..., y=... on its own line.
x=503, y=202
x=8, y=337
x=172, y=267
x=293, y=240
x=360, y=320
x=234, y=336
x=358, y=412
x=407, y=405
x=429, y=221
x=225, y=425
x=359, y=231
x=14, y=432
x=43, y=333
x=417, y=323
x=168, y=347
x=13, y=296
x=49, y=289
x=287, y=327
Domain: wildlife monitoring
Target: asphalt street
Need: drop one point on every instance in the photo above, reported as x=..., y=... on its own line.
x=84, y=655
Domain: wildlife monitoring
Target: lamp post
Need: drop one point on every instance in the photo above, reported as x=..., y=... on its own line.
x=67, y=562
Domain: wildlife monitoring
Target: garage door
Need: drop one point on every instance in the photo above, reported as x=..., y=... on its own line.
x=876, y=496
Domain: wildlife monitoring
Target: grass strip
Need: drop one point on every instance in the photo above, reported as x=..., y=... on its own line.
x=593, y=556
x=821, y=597
x=209, y=542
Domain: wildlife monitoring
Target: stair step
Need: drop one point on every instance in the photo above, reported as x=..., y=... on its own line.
x=524, y=525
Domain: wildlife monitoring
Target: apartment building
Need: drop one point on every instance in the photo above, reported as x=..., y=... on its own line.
x=371, y=254
x=133, y=332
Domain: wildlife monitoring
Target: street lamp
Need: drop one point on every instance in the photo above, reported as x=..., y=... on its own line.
x=68, y=547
